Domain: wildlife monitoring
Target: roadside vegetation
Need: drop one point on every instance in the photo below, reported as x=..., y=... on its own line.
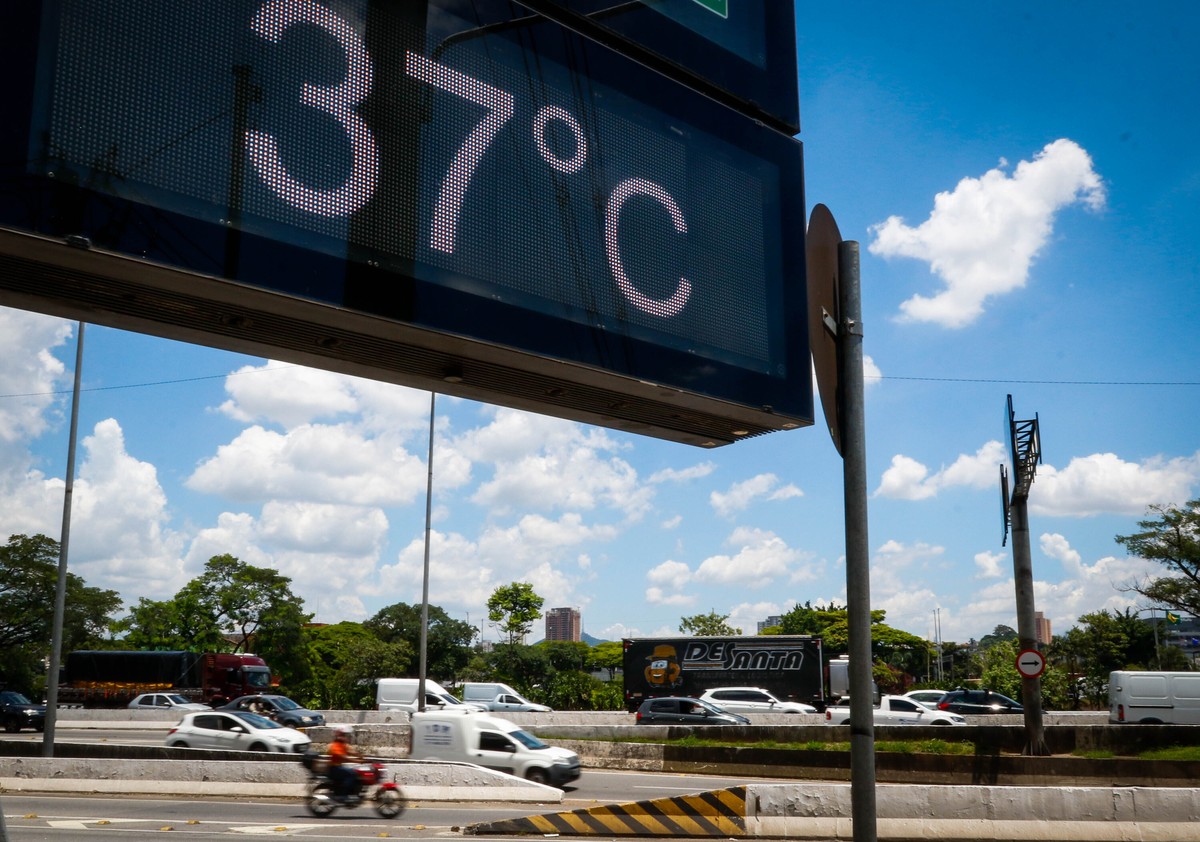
x=233, y=606
x=947, y=747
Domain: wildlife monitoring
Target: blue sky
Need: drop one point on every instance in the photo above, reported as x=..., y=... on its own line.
x=1024, y=181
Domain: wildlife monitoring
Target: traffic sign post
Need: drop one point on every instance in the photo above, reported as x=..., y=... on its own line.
x=1031, y=663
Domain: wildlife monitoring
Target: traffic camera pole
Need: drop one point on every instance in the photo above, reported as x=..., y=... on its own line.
x=852, y=417
x=1031, y=688
x=1025, y=449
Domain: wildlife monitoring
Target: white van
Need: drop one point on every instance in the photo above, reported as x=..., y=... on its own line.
x=498, y=697
x=493, y=743
x=401, y=694
x=1154, y=698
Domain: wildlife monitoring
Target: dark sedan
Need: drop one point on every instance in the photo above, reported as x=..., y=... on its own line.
x=975, y=702
x=279, y=708
x=678, y=710
x=17, y=712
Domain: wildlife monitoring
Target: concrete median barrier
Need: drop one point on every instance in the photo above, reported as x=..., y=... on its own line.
x=419, y=781
x=822, y=811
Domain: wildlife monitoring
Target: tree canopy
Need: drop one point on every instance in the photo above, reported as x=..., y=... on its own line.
x=513, y=609
x=447, y=642
x=711, y=623
x=231, y=606
x=1173, y=540
x=28, y=582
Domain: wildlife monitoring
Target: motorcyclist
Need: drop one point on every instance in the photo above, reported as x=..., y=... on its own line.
x=342, y=758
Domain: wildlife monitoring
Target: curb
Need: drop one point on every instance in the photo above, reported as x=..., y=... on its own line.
x=719, y=812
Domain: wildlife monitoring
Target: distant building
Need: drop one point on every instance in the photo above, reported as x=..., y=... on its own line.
x=563, y=624
x=773, y=620
x=1041, y=628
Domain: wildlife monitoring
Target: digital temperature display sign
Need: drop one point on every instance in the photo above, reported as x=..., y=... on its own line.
x=455, y=194
x=741, y=51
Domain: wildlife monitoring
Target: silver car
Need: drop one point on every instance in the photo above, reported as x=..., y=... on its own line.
x=745, y=700
x=165, y=701
x=236, y=731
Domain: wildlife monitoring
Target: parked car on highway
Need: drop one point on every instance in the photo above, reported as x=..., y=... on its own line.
x=679, y=710
x=235, y=731
x=926, y=697
x=752, y=700
x=974, y=702
x=165, y=701
x=17, y=712
x=280, y=708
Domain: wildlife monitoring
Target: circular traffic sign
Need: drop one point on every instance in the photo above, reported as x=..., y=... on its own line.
x=1031, y=663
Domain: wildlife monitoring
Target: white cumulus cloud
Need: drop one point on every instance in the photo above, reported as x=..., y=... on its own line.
x=908, y=479
x=760, y=558
x=742, y=494
x=981, y=238
x=1103, y=483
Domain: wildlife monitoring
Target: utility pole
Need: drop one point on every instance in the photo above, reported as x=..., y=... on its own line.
x=1025, y=449
x=64, y=542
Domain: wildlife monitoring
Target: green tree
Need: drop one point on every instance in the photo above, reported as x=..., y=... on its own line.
x=241, y=598
x=231, y=606
x=711, y=623
x=447, y=643
x=806, y=619
x=1000, y=669
x=170, y=624
x=898, y=652
x=1173, y=540
x=609, y=655
x=28, y=582
x=345, y=661
x=524, y=667
x=1000, y=634
x=513, y=609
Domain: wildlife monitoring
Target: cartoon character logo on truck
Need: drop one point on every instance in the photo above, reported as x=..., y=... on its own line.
x=663, y=670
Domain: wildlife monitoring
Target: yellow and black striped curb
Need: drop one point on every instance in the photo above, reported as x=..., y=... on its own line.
x=721, y=812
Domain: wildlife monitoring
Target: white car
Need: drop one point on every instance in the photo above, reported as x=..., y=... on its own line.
x=236, y=730
x=165, y=701
x=752, y=700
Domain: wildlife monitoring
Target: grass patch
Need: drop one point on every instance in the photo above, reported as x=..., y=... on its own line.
x=1172, y=753
x=924, y=747
x=894, y=746
x=1187, y=753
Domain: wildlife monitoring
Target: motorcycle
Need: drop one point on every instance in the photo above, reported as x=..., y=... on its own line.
x=372, y=782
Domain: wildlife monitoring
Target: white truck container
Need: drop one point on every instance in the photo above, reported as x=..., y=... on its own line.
x=498, y=697
x=1154, y=698
x=401, y=694
x=493, y=743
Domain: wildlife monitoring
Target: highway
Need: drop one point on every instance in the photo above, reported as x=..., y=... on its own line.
x=51, y=818
x=595, y=785
x=32, y=818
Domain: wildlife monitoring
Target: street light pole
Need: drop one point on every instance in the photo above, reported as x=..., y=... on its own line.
x=60, y=591
x=425, y=576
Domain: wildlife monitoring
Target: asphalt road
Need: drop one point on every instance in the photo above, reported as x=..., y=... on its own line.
x=594, y=785
x=61, y=818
